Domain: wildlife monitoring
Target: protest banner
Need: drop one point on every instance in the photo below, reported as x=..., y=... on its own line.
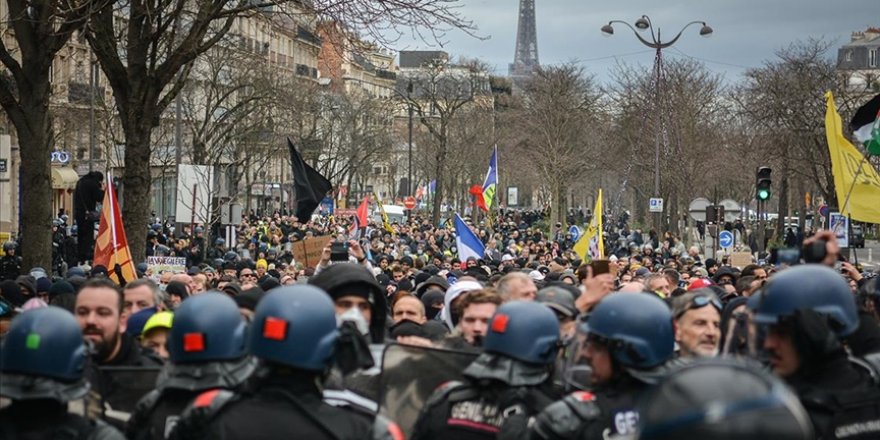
x=157, y=265
x=740, y=259
x=308, y=251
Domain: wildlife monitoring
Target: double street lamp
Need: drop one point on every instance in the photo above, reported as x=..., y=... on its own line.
x=655, y=42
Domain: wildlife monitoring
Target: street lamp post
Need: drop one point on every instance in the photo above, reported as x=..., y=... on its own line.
x=409, y=178
x=642, y=24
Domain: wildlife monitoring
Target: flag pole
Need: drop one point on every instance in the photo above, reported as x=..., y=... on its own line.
x=112, y=209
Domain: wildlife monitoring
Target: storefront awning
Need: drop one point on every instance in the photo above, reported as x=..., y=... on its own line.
x=64, y=178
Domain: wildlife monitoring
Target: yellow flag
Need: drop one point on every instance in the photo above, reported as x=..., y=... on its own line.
x=854, y=176
x=385, y=223
x=591, y=246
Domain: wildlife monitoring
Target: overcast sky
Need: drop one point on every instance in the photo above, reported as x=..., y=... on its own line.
x=747, y=32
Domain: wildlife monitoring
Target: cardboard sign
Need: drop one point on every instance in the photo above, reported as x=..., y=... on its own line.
x=308, y=251
x=740, y=259
x=158, y=265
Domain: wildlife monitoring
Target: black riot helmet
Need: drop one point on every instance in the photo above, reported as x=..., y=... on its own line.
x=723, y=399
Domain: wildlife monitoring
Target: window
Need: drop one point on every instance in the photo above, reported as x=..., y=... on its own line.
x=872, y=58
x=847, y=56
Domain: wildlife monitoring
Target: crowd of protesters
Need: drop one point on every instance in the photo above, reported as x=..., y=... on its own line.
x=539, y=320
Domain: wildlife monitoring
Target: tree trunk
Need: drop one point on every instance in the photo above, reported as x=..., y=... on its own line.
x=34, y=129
x=136, y=187
x=440, y=165
x=36, y=188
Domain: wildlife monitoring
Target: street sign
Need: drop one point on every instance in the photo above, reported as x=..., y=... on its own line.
x=655, y=204
x=725, y=239
x=575, y=232
x=3, y=166
x=823, y=210
x=409, y=202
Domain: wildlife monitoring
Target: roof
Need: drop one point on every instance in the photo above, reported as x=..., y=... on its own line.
x=417, y=58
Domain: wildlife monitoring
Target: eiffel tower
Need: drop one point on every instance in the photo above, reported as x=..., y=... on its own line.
x=525, y=59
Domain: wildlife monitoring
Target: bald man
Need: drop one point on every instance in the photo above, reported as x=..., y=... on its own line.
x=517, y=286
x=409, y=307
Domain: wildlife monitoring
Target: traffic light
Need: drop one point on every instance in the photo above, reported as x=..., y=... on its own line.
x=762, y=183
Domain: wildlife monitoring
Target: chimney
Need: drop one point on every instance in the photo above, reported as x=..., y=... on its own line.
x=872, y=33
x=857, y=36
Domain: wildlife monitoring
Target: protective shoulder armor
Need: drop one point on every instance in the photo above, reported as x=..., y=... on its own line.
x=104, y=431
x=198, y=415
x=385, y=429
x=351, y=400
x=141, y=415
x=444, y=391
x=563, y=419
x=872, y=362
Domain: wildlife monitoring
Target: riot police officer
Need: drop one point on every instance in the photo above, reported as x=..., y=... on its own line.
x=803, y=312
x=509, y=382
x=10, y=264
x=206, y=347
x=294, y=334
x=722, y=399
x=626, y=340
x=42, y=363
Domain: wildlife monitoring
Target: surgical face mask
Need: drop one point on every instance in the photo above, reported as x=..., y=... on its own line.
x=354, y=315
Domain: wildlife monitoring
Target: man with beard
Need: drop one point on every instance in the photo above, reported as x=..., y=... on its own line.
x=475, y=310
x=98, y=310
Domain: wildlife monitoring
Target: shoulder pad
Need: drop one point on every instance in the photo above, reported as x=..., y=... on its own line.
x=872, y=362
x=198, y=415
x=142, y=412
x=443, y=391
x=563, y=419
x=350, y=399
x=103, y=431
x=385, y=429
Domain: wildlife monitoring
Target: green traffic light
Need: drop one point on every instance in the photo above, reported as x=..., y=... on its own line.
x=763, y=194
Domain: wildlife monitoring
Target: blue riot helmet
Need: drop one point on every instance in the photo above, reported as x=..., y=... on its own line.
x=637, y=329
x=207, y=345
x=722, y=399
x=525, y=331
x=230, y=256
x=43, y=357
x=207, y=327
x=220, y=242
x=520, y=346
x=295, y=326
x=809, y=286
x=156, y=227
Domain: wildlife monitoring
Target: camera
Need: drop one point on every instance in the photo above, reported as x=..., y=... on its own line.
x=814, y=252
x=339, y=251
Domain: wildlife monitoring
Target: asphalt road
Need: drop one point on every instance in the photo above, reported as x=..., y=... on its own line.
x=869, y=257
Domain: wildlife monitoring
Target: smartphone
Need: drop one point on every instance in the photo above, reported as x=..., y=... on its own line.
x=339, y=251
x=600, y=267
x=790, y=256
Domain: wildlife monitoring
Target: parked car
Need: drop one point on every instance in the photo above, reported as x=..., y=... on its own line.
x=857, y=238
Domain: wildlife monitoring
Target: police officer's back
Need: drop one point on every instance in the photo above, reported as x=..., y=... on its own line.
x=507, y=384
x=803, y=313
x=10, y=263
x=293, y=332
x=206, y=347
x=42, y=362
x=626, y=340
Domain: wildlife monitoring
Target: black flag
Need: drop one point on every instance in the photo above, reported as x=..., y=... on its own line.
x=311, y=186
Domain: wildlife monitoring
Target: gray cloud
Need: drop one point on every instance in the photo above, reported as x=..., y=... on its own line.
x=747, y=32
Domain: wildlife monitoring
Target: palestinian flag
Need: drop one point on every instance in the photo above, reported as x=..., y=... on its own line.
x=866, y=125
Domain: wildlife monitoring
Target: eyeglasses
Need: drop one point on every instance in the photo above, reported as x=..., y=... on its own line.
x=700, y=302
x=248, y=275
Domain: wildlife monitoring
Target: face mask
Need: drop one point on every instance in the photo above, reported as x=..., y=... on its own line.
x=354, y=315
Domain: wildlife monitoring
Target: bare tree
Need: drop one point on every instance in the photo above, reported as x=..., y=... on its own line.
x=40, y=29
x=560, y=130
x=146, y=46
x=784, y=99
x=438, y=93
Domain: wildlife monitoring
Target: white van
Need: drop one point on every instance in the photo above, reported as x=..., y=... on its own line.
x=395, y=213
